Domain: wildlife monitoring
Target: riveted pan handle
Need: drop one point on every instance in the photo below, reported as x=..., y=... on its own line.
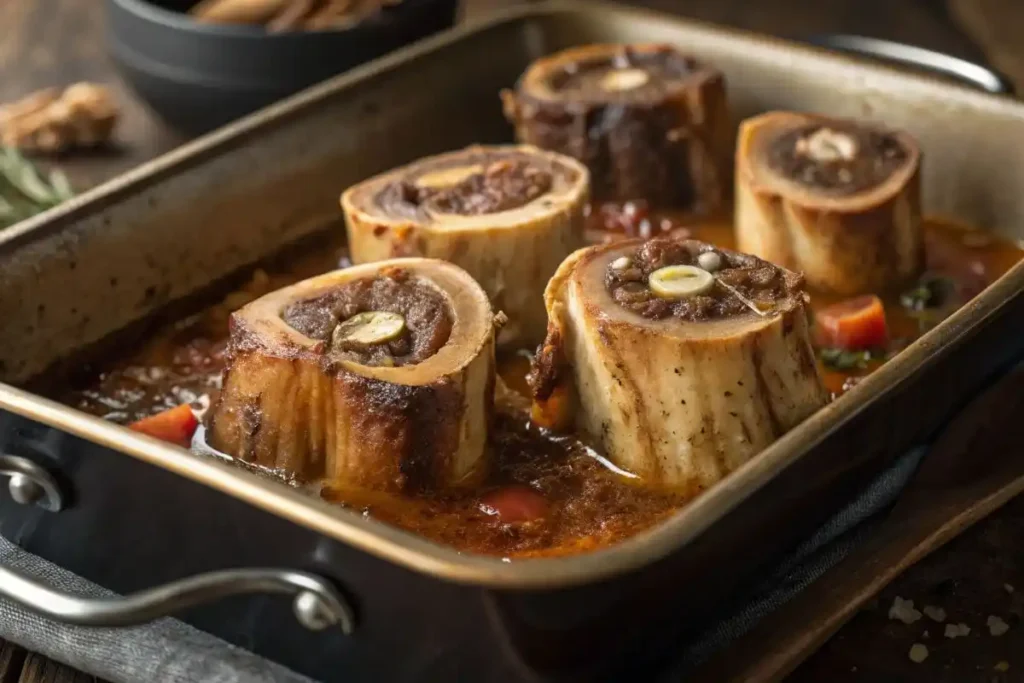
x=317, y=604
x=962, y=70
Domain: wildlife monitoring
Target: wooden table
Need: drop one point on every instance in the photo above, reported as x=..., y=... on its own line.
x=53, y=42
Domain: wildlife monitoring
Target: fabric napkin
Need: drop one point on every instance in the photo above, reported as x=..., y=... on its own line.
x=824, y=549
x=169, y=651
x=164, y=651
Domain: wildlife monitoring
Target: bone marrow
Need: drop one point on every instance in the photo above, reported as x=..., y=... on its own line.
x=392, y=319
x=837, y=200
x=650, y=123
x=684, y=360
x=379, y=376
x=693, y=281
x=507, y=215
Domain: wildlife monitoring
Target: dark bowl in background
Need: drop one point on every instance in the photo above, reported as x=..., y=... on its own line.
x=200, y=76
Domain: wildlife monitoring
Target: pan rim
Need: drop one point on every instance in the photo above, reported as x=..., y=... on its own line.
x=407, y=549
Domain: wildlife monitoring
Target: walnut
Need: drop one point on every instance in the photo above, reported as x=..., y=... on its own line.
x=51, y=120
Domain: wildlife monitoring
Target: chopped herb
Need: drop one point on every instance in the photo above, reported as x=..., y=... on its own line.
x=23, y=190
x=933, y=291
x=844, y=359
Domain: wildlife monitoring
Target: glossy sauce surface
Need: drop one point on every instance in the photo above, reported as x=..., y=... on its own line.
x=545, y=495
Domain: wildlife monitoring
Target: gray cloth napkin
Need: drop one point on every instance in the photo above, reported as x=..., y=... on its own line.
x=823, y=550
x=165, y=651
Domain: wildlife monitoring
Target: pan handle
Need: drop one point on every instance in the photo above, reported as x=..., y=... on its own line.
x=967, y=72
x=317, y=604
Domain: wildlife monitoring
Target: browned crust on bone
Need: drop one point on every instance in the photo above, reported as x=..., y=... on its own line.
x=283, y=406
x=672, y=152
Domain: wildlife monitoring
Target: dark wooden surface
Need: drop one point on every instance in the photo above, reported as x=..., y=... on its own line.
x=951, y=490
x=56, y=42
x=978, y=575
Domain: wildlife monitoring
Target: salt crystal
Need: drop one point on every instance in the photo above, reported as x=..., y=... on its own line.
x=918, y=653
x=903, y=610
x=957, y=630
x=935, y=613
x=1008, y=587
x=997, y=626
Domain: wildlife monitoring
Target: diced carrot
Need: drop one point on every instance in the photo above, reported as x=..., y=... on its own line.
x=554, y=412
x=515, y=504
x=855, y=324
x=176, y=425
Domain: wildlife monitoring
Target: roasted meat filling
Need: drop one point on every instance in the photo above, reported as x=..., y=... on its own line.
x=627, y=73
x=501, y=185
x=392, y=319
x=737, y=283
x=836, y=159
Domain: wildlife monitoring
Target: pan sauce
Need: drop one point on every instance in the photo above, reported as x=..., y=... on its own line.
x=585, y=503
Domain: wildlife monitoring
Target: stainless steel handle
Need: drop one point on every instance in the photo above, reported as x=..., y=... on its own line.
x=317, y=604
x=977, y=75
x=30, y=484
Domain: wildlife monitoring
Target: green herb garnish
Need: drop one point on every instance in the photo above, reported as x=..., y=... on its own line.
x=932, y=291
x=844, y=359
x=23, y=190
x=930, y=301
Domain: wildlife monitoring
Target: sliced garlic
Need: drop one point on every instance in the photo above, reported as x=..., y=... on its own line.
x=371, y=327
x=676, y=282
x=624, y=79
x=447, y=177
x=825, y=145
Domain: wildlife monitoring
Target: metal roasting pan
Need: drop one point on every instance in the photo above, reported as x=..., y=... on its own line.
x=375, y=603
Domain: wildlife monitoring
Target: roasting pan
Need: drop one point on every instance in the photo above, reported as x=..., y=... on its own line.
x=374, y=603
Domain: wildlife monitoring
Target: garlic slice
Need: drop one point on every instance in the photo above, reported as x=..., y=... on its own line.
x=827, y=145
x=677, y=282
x=371, y=327
x=624, y=79
x=447, y=177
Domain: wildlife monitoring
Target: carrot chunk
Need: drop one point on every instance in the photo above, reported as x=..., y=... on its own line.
x=855, y=324
x=554, y=412
x=514, y=504
x=176, y=425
